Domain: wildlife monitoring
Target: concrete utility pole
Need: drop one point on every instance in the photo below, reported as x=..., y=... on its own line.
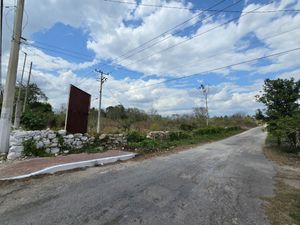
x=204, y=90
x=1, y=22
x=18, y=109
x=102, y=80
x=27, y=87
x=10, y=84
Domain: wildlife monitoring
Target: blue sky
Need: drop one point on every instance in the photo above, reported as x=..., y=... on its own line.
x=69, y=39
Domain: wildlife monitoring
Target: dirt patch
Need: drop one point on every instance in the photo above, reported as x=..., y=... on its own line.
x=284, y=207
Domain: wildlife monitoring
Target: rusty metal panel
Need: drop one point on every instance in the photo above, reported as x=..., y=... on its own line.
x=78, y=111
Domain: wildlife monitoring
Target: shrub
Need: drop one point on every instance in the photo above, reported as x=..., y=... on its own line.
x=208, y=131
x=135, y=137
x=30, y=149
x=178, y=135
x=149, y=144
x=187, y=127
x=33, y=121
x=233, y=128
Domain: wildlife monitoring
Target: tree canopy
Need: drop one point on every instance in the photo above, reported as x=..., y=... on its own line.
x=281, y=99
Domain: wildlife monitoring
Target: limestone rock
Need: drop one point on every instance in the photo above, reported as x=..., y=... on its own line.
x=62, y=132
x=13, y=155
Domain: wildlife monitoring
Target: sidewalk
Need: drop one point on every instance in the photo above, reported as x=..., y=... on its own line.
x=37, y=166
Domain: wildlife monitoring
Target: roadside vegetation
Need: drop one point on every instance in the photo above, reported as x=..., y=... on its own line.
x=284, y=206
x=282, y=117
x=140, y=143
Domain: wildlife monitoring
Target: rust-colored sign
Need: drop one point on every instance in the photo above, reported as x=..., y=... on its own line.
x=78, y=111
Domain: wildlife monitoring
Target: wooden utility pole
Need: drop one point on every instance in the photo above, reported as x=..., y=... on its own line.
x=1, y=27
x=18, y=107
x=10, y=83
x=102, y=80
x=204, y=90
x=27, y=87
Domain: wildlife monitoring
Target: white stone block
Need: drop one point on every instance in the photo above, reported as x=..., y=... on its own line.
x=84, y=138
x=20, y=134
x=13, y=155
x=46, y=142
x=16, y=148
x=70, y=136
x=39, y=144
x=54, y=150
x=37, y=137
x=51, y=135
x=78, y=135
x=62, y=132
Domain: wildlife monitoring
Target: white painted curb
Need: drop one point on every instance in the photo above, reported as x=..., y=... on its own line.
x=74, y=165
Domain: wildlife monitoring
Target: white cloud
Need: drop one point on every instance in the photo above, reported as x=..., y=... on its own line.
x=110, y=38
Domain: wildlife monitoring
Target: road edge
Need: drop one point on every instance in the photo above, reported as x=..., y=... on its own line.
x=73, y=165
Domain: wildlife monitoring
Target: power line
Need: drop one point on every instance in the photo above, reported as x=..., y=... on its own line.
x=189, y=39
x=167, y=31
x=202, y=10
x=220, y=68
x=62, y=49
x=215, y=55
x=72, y=55
x=167, y=37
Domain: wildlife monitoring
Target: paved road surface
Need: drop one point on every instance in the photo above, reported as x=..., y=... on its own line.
x=217, y=183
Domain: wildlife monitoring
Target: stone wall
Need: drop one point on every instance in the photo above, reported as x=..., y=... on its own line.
x=52, y=141
x=111, y=141
x=159, y=135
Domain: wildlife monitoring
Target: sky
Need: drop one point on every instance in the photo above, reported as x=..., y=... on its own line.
x=157, y=57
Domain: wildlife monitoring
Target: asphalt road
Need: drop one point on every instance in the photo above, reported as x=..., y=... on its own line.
x=217, y=183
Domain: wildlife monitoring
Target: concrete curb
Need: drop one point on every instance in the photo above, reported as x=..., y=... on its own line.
x=73, y=165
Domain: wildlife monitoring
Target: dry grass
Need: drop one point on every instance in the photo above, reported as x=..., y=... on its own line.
x=284, y=207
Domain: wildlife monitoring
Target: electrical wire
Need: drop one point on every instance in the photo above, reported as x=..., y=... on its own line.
x=167, y=31
x=220, y=68
x=72, y=55
x=171, y=35
x=189, y=39
x=62, y=49
x=224, y=51
x=205, y=10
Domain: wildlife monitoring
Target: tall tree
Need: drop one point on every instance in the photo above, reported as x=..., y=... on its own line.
x=281, y=98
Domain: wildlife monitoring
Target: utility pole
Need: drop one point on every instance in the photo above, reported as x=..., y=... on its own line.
x=27, y=87
x=102, y=80
x=1, y=27
x=10, y=83
x=18, y=109
x=204, y=90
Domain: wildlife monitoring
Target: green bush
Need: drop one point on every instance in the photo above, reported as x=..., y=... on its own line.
x=33, y=121
x=149, y=144
x=233, y=128
x=187, y=127
x=208, y=131
x=179, y=135
x=135, y=136
x=30, y=149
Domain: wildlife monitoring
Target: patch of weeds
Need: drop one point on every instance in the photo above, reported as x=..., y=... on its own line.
x=135, y=136
x=3, y=156
x=284, y=207
x=179, y=135
x=30, y=149
x=62, y=145
x=179, y=138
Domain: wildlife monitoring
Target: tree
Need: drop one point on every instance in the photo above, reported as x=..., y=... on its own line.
x=39, y=113
x=281, y=98
x=115, y=112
